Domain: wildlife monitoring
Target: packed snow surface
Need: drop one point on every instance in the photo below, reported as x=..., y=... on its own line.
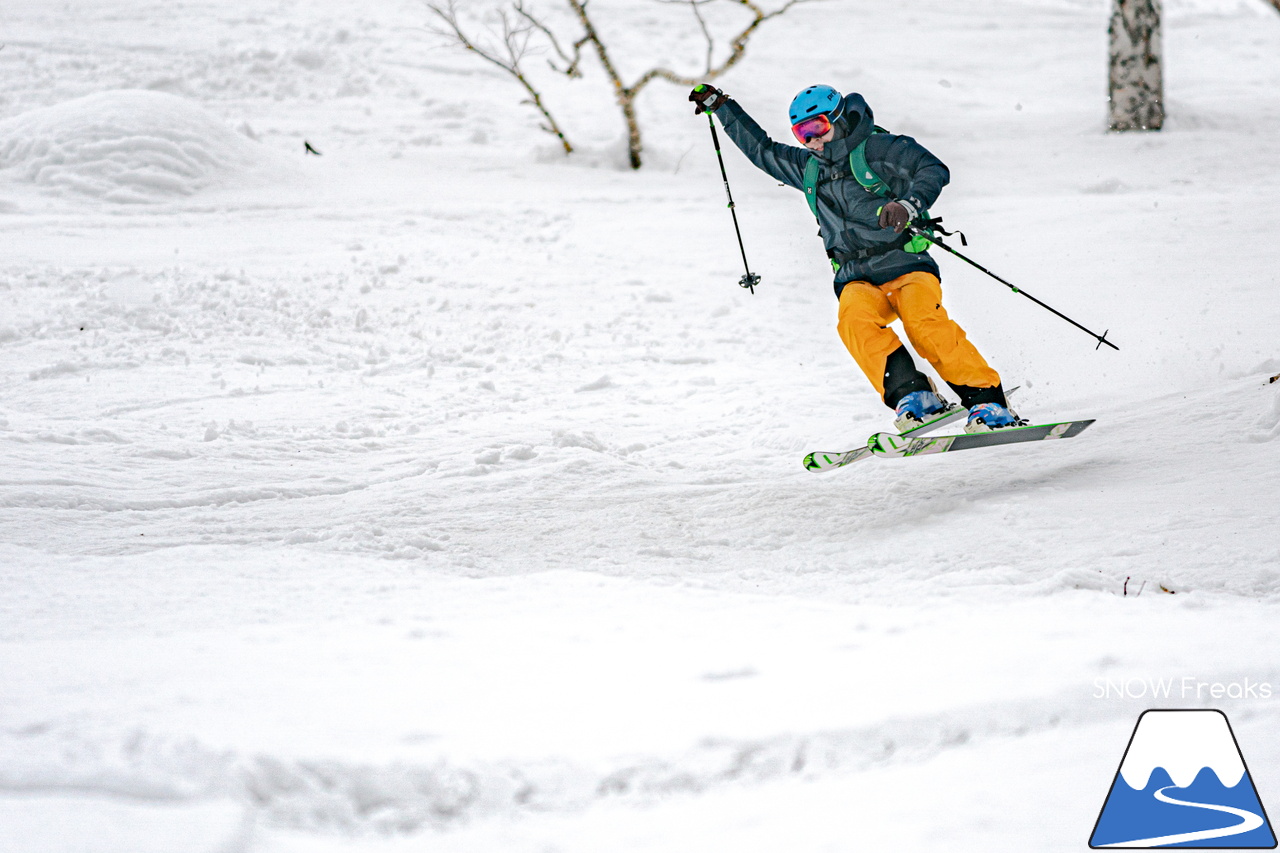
x=439, y=490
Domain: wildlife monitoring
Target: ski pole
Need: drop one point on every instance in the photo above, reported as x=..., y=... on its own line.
x=750, y=280
x=916, y=230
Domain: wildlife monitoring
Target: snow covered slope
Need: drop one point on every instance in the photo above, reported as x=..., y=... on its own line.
x=436, y=490
x=129, y=146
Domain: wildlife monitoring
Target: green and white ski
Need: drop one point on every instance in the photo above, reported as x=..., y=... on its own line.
x=892, y=444
x=827, y=460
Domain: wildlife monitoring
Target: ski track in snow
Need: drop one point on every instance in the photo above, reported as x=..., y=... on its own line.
x=433, y=485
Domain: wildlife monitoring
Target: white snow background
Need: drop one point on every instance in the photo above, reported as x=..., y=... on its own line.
x=438, y=493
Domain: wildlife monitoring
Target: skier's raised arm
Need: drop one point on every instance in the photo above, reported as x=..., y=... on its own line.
x=783, y=162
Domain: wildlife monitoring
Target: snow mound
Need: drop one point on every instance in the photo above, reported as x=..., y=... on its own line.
x=128, y=146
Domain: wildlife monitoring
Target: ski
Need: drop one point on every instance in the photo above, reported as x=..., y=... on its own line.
x=894, y=445
x=829, y=460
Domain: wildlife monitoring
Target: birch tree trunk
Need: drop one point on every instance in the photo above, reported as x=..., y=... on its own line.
x=1136, y=84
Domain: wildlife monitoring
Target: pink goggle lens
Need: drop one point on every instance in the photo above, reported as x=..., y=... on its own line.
x=811, y=128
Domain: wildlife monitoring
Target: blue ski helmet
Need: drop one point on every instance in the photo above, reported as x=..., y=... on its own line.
x=815, y=100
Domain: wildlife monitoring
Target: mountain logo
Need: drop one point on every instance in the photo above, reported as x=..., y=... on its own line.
x=1183, y=783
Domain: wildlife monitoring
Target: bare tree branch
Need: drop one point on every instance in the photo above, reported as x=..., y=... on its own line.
x=737, y=47
x=515, y=43
x=706, y=33
x=702, y=24
x=515, y=39
x=571, y=68
x=625, y=97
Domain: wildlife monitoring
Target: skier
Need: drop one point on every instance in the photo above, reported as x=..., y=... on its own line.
x=865, y=188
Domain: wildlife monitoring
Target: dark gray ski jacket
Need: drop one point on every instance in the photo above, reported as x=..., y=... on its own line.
x=847, y=213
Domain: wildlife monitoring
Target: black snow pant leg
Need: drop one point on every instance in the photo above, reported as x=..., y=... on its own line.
x=970, y=396
x=901, y=377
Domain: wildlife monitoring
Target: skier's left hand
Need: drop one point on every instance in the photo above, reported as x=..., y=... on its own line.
x=897, y=215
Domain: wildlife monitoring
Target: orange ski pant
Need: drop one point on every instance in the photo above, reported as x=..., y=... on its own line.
x=867, y=310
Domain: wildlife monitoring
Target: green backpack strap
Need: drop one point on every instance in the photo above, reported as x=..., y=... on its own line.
x=874, y=184
x=866, y=178
x=864, y=174
x=811, y=184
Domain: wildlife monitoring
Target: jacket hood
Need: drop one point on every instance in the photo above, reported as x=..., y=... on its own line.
x=855, y=124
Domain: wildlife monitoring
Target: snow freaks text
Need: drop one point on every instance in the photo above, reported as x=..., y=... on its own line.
x=1187, y=687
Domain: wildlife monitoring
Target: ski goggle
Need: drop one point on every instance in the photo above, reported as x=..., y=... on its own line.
x=811, y=128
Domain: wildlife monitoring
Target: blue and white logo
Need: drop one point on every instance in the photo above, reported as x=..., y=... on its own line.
x=1183, y=783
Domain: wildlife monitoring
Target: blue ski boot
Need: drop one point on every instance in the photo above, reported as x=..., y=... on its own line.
x=986, y=417
x=916, y=408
